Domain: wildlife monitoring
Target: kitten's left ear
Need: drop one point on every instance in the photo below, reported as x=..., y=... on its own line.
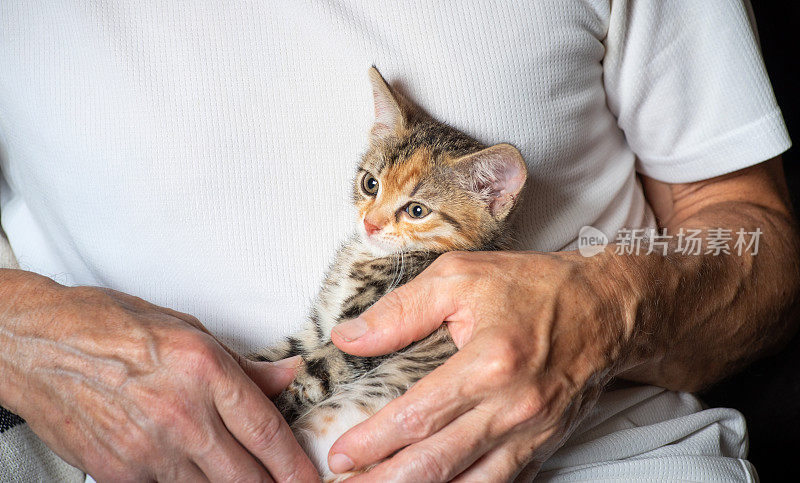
x=497, y=174
x=389, y=119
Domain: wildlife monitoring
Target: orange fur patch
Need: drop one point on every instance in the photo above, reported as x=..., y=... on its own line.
x=401, y=178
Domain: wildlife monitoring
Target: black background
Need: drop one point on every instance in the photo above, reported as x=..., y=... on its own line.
x=768, y=393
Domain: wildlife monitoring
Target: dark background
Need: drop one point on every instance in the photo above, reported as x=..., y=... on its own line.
x=768, y=393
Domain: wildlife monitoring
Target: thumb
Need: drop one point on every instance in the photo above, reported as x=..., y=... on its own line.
x=404, y=315
x=272, y=377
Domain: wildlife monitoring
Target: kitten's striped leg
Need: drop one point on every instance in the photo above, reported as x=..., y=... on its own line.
x=302, y=343
x=307, y=340
x=304, y=390
x=291, y=346
x=323, y=369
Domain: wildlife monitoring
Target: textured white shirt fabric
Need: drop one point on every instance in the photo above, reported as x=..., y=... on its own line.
x=200, y=154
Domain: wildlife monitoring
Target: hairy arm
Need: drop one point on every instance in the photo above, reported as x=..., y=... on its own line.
x=702, y=317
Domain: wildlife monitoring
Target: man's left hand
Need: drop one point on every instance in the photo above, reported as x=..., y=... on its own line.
x=539, y=335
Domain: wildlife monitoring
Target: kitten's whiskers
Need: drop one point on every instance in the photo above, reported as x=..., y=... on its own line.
x=400, y=264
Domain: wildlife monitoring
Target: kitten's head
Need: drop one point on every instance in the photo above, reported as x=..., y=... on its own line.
x=424, y=186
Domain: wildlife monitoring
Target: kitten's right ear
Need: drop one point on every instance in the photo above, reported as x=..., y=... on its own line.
x=497, y=174
x=389, y=118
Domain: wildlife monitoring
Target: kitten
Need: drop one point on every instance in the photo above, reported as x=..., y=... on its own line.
x=422, y=189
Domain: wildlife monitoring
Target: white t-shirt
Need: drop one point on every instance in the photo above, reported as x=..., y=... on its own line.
x=200, y=155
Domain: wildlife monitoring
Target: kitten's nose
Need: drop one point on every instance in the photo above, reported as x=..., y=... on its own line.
x=371, y=229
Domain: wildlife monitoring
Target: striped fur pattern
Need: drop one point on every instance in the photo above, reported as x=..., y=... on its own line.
x=422, y=189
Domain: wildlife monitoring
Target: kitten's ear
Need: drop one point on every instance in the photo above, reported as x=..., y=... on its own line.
x=497, y=174
x=388, y=113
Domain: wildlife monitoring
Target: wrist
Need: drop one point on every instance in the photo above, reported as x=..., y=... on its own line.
x=600, y=299
x=642, y=293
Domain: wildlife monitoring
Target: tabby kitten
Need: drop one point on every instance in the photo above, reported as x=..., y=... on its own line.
x=422, y=189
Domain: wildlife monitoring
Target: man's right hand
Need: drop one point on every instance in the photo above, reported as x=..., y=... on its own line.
x=129, y=391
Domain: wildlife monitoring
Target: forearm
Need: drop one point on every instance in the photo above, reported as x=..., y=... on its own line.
x=700, y=318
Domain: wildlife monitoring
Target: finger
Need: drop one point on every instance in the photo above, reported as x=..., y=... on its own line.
x=432, y=403
x=227, y=460
x=186, y=471
x=259, y=427
x=404, y=315
x=272, y=377
x=440, y=457
x=508, y=461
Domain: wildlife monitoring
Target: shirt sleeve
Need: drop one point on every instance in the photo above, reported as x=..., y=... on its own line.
x=688, y=86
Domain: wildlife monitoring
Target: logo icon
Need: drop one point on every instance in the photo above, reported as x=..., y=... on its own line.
x=591, y=241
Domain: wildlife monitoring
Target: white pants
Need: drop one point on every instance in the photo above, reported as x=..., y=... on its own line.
x=649, y=433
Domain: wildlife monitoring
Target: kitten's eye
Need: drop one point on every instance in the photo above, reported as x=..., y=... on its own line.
x=416, y=210
x=369, y=184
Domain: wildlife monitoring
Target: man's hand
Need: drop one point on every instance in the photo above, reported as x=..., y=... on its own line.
x=538, y=337
x=129, y=391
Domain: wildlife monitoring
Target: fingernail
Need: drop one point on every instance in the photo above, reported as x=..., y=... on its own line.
x=351, y=330
x=289, y=363
x=339, y=463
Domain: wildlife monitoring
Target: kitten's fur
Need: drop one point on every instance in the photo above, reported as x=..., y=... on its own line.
x=469, y=191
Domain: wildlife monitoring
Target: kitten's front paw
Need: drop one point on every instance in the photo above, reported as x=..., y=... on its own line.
x=308, y=388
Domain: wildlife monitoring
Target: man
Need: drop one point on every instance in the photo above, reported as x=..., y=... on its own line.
x=200, y=158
